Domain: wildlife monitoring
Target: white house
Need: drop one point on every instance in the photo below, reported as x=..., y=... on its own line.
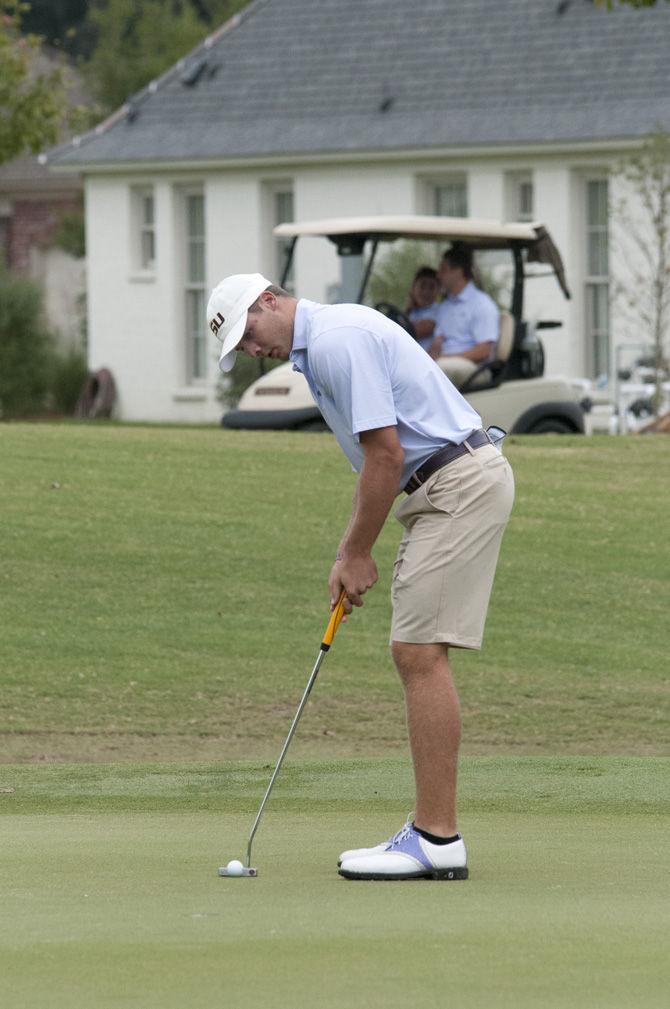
x=505, y=109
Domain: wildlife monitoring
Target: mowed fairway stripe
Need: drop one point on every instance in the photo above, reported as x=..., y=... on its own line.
x=164, y=590
x=125, y=908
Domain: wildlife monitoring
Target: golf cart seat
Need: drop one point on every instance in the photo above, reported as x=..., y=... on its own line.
x=489, y=373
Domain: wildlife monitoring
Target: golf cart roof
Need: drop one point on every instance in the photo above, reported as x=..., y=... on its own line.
x=480, y=233
x=392, y=226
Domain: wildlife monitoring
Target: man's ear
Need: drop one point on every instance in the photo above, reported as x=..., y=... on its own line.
x=269, y=300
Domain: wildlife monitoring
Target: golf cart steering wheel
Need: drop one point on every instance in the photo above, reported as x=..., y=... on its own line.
x=393, y=313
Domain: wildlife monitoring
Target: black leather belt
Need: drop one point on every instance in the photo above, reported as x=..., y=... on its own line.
x=443, y=457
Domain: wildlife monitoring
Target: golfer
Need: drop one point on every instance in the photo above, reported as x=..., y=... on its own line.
x=406, y=431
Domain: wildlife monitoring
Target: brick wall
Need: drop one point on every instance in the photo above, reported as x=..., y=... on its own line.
x=33, y=222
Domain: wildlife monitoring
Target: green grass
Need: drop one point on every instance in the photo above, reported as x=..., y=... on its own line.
x=164, y=593
x=111, y=894
x=163, y=598
x=515, y=785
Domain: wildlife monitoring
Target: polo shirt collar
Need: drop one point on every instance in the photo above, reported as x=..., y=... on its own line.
x=465, y=294
x=300, y=332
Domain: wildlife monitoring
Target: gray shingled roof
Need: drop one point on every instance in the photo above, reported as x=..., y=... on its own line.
x=301, y=76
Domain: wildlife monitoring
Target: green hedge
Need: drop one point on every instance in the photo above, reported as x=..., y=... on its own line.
x=35, y=376
x=25, y=349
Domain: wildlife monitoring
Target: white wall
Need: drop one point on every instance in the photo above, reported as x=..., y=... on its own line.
x=63, y=282
x=544, y=298
x=136, y=320
x=633, y=267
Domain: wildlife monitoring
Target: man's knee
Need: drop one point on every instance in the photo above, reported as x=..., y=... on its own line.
x=458, y=369
x=416, y=659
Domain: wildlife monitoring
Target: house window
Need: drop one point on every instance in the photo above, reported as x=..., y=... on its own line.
x=282, y=212
x=597, y=276
x=144, y=229
x=195, y=290
x=450, y=198
x=521, y=197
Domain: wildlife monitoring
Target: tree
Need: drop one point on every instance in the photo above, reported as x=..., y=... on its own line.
x=630, y=3
x=137, y=42
x=61, y=23
x=396, y=268
x=31, y=103
x=641, y=234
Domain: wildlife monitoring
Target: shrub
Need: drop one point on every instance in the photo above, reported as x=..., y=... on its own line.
x=68, y=374
x=70, y=235
x=25, y=348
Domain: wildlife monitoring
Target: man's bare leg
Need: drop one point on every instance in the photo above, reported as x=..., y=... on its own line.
x=434, y=727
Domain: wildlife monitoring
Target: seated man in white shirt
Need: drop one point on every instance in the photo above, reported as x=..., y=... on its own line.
x=467, y=324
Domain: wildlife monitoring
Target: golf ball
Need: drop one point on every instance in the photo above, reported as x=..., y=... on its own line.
x=235, y=867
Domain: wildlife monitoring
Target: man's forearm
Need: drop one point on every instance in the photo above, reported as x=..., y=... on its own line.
x=424, y=328
x=480, y=352
x=376, y=490
x=354, y=508
x=354, y=569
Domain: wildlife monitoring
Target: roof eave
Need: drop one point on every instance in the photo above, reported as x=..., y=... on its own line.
x=608, y=146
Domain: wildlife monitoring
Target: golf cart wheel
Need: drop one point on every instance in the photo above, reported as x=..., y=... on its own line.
x=313, y=425
x=552, y=425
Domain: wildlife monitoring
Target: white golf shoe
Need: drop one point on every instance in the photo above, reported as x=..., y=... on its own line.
x=409, y=856
x=376, y=850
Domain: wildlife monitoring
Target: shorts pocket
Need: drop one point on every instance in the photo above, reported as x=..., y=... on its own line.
x=495, y=461
x=443, y=492
x=398, y=563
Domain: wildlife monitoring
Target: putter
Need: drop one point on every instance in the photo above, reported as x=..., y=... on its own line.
x=334, y=622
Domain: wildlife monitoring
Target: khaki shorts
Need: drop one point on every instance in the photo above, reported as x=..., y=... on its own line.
x=446, y=562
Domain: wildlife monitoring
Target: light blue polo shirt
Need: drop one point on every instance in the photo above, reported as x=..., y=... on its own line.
x=467, y=319
x=366, y=372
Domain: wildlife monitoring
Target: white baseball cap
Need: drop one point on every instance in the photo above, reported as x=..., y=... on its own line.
x=227, y=311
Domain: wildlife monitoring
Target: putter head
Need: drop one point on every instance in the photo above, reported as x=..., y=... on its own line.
x=246, y=871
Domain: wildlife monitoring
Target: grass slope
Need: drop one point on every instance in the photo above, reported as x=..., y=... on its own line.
x=163, y=595
x=567, y=906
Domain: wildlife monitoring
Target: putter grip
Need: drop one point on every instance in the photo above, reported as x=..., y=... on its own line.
x=334, y=622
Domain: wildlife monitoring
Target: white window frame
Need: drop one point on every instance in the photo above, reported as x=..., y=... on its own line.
x=517, y=183
x=143, y=230
x=446, y=189
x=598, y=338
x=194, y=289
x=276, y=190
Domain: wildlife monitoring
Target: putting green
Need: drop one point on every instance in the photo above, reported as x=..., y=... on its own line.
x=124, y=908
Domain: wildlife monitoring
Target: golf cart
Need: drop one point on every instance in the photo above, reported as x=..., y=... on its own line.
x=509, y=390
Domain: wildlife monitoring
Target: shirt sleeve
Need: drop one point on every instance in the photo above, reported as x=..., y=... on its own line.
x=486, y=321
x=349, y=364
x=441, y=320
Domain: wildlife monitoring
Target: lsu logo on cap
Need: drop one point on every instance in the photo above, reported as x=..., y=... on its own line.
x=216, y=323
